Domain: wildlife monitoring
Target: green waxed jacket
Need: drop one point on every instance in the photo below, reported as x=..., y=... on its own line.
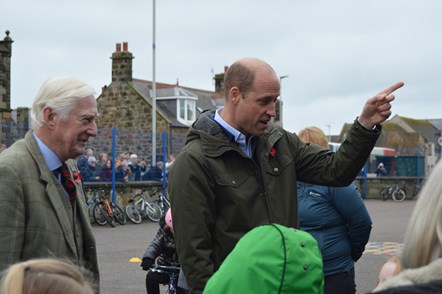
x=218, y=194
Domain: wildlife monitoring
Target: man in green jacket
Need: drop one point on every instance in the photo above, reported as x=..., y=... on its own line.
x=238, y=171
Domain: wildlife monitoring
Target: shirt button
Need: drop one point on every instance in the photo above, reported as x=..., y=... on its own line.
x=233, y=182
x=275, y=169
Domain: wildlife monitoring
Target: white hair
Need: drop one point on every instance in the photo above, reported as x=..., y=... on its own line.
x=61, y=94
x=423, y=237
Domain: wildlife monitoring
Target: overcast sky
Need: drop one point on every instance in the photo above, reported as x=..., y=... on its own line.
x=337, y=54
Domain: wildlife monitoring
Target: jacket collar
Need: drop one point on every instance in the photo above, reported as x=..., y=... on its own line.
x=215, y=140
x=54, y=190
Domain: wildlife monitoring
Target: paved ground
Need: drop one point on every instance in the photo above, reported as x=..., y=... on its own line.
x=119, y=248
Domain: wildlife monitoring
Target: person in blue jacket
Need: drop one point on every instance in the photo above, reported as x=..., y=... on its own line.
x=338, y=219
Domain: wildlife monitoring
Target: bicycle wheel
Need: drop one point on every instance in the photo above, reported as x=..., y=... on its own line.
x=398, y=195
x=99, y=215
x=132, y=213
x=153, y=211
x=384, y=194
x=118, y=213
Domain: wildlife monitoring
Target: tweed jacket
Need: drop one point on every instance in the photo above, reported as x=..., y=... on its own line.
x=34, y=220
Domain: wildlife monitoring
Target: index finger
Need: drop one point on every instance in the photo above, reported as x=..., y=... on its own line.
x=392, y=88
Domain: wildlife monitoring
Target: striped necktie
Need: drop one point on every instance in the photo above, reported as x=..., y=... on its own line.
x=68, y=183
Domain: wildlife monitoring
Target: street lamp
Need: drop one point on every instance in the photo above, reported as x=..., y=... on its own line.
x=280, y=98
x=154, y=91
x=329, y=132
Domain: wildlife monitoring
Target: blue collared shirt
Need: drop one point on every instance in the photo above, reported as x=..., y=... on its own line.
x=247, y=145
x=51, y=159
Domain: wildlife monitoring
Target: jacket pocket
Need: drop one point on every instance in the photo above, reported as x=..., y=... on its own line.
x=275, y=166
x=231, y=180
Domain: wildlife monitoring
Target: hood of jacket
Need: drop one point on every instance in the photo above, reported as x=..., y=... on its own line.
x=271, y=259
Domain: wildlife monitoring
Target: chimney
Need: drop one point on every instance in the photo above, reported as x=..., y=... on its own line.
x=219, y=81
x=122, y=64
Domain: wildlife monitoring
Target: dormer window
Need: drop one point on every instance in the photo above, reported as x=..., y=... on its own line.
x=186, y=110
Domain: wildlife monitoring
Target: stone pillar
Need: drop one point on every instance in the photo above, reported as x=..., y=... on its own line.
x=5, y=73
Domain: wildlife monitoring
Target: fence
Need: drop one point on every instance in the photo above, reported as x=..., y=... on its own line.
x=411, y=165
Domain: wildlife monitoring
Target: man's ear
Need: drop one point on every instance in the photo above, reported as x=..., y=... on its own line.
x=235, y=95
x=49, y=117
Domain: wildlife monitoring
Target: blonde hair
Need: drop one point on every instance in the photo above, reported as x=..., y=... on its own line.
x=314, y=135
x=48, y=276
x=423, y=236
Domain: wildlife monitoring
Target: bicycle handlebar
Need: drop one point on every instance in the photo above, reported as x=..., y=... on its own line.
x=166, y=268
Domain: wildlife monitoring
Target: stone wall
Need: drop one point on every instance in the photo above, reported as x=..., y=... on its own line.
x=122, y=108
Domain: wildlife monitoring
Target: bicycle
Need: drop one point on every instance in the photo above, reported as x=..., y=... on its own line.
x=105, y=211
x=411, y=189
x=162, y=200
x=139, y=207
x=173, y=272
x=117, y=212
x=394, y=192
x=91, y=202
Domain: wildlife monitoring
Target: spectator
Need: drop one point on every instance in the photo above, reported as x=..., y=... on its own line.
x=144, y=167
x=135, y=169
x=271, y=259
x=82, y=159
x=421, y=256
x=2, y=147
x=122, y=157
x=122, y=172
x=91, y=173
x=154, y=173
x=40, y=216
x=161, y=251
x=337, y=218
x=102, y=160
x=239, y=170
x=170, y=162
x=381, y=171
x=49, y=276
x=106, y=172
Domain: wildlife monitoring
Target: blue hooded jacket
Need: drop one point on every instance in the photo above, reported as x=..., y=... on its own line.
x=338, y=219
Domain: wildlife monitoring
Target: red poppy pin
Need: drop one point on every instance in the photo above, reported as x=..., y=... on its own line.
x=77, y=177
x=272, y=152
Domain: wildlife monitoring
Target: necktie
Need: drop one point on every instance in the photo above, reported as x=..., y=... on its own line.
x=68, y=183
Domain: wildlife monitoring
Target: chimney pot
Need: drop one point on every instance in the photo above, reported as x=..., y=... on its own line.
x=125, y=46
x=118, y=47
x=225, y=68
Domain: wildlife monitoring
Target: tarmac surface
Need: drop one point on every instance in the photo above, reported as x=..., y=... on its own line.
x=121, y=248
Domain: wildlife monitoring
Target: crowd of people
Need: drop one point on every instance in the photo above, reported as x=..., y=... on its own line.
x=128, y=168
x=247, y=181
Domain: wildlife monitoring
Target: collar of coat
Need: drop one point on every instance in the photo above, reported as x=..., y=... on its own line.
x=215, y=140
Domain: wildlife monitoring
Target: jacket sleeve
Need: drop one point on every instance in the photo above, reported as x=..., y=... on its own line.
x=351, y=207
x=155, y=247
x=12, y=216
x=193, y=208
x=320, y=166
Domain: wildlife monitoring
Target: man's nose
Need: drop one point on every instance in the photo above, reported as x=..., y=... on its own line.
x=272, y=110
x=93, y=130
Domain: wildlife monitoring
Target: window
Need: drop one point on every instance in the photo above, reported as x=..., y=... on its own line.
x=186, y=111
